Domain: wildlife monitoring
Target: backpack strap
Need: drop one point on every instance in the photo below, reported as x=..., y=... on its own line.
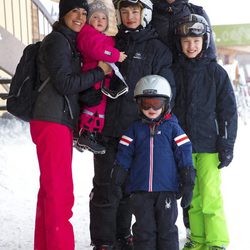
x=44, y=83
x=74, y=53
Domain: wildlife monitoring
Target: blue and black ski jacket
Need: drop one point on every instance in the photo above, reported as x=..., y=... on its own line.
x=153, y=159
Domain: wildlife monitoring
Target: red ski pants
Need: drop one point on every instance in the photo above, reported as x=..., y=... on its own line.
x=53, y=230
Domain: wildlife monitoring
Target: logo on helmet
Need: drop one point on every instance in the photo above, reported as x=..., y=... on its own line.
x=149, y=92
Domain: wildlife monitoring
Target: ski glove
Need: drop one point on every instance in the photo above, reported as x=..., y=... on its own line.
x=118, y=178
x=225, y=158
x=91, y=97
x=187, y=178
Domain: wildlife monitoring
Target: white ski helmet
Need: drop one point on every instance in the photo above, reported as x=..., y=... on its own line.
x=146, y=15
x=194, y=25
x=153, y=86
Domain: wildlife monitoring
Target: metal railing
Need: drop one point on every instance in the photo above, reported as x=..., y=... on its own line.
x=5, y=83
x=26, y=20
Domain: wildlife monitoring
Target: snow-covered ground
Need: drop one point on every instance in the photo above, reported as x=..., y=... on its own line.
x=19, y=185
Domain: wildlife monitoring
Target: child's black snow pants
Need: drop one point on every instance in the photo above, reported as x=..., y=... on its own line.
x=110, y=219
x=156, y=215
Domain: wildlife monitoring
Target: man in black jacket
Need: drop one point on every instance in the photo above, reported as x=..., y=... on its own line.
x=145, y=55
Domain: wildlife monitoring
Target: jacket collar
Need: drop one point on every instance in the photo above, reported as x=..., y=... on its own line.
x=70, y=34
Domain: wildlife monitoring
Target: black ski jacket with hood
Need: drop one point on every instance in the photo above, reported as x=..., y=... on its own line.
x=166, y=16
x=205, y=104
x=59, y=60
x=146, y=55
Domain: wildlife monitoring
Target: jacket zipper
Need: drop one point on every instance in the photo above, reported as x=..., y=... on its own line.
x=69, y=107
x=151, y=158
x=225, y=132
x=217, y=127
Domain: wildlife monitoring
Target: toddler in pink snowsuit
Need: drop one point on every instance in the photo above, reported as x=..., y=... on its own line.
x=95, y=46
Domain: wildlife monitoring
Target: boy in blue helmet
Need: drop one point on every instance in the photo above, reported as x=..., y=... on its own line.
x=206, y=110
x=158, y=156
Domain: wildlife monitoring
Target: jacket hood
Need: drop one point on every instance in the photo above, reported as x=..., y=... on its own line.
x=170, y=117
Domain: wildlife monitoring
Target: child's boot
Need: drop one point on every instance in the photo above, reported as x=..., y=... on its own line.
x=216, y=248
x=125, y=243
x=75, y=140
x=192, y=245
x=88, y=141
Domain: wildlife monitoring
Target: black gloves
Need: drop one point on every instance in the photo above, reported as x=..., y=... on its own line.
x=187, y=178
x=118, y=177
x=225, y=158
x=91, y=97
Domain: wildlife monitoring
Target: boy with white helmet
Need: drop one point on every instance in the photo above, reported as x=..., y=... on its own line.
x=158, y=156
x=110, y=218
x=206, y=109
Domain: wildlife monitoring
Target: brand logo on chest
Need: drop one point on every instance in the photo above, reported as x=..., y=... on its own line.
x=138, y=55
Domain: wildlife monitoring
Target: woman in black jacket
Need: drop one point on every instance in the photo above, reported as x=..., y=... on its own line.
x=54, y=117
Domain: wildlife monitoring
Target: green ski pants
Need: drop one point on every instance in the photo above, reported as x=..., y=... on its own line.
x=206, y=213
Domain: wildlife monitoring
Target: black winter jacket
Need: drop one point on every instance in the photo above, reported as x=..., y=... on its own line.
x=205, y=104
x=146, y=55
x=58, y=59
x=166, y=16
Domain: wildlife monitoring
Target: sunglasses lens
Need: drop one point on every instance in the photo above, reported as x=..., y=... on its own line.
x=155, y=104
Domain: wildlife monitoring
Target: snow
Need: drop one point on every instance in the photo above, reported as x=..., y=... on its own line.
x=19, y=184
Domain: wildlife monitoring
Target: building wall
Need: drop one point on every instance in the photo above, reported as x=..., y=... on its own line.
x=15, y=17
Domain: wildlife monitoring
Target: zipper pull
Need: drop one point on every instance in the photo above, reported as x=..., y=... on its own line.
x=152, y=130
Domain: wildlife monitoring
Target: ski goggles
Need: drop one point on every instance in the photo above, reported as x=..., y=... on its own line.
x=191, y=29
x=154, y=103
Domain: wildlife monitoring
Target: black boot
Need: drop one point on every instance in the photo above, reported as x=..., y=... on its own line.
x=88, y=141
x=75, y=140
x=125, y=243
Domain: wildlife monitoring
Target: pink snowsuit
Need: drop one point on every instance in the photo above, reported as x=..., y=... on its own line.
x=95, y=46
